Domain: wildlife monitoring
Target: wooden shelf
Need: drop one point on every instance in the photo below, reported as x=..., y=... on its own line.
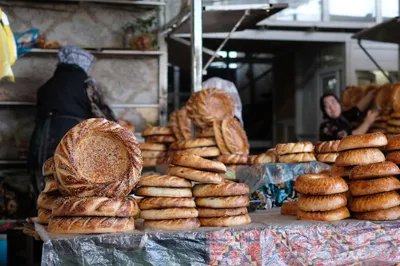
x=105, y=52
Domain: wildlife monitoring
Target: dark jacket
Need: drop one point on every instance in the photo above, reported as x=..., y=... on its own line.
x=336, y=129
x=62, y=103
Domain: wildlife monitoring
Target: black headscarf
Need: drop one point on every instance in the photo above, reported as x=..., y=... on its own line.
x=322, y=105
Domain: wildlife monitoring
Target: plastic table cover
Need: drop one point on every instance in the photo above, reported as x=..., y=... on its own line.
x=271, y=239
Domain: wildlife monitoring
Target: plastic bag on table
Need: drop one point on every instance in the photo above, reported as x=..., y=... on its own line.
x=272, y=184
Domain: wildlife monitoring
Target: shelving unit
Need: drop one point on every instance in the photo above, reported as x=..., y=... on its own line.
x=105, y=52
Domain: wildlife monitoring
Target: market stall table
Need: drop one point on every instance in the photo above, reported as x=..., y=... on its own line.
x=271, y=239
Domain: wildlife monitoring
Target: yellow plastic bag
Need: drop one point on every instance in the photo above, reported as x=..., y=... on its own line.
x=8, y=48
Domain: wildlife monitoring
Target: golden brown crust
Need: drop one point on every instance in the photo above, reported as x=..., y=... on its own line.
x=383, y=98
x=379, y=215
x=395, y=115
x=90, y=225
x=170, y=213
x=289, y=208
x=224, y=189
x=223, y=202
x=195, y=175
x=184, y=123
x=359, y=157
x=327, y=146
x=49, y=168
x=320, y=184
x=394, y=122
x=98, y=158
x=392, y=129
x=211, y=105
x=375, y=202
x=219, y=138
x=378, y=126
x=161, y=139
x=157, y=131
x=374, y=186
x=51, y=185
x=351, y=96
x=340, y=171
x=384, y=118
x=235, y=137
x=205, y=132
x=173, y=121
x=209, y=212
x=191, y=108
x=267, y=157
x=393, y=144
x=153, y=146
x=163, y=202
x=370, y=140
x=95, y=206
x=233, y=159
x=197, y=162
x=193, y=143
x=175, y=224
x=153, y=154
x=164, y=192
x=327, y=216
x=321, y=203
x=327, y=157
x=374, y=170
x=43, y=216
x=389, y=136
x=297, y=158
x=396, y=98
x=151, y=162
x=226, y=221
x=202, y=152
x=394, y=157
x=46, y=201
x=163, y=181
x=290, y=148
x=126, y=124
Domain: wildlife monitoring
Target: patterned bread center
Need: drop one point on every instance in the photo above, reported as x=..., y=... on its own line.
x=218, y=102
x=100, y=158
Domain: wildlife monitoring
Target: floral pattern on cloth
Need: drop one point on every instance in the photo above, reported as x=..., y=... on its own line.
x=334, y=129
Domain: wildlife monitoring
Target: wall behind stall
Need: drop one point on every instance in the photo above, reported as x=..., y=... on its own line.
x=127, y=79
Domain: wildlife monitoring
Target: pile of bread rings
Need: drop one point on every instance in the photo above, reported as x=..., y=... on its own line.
x=362, y=180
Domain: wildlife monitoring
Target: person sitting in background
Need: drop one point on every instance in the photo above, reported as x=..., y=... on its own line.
x=337, y=124
x=67, y=98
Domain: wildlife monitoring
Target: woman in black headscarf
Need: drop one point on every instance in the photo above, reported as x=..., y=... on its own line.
x=67, y=98
x=337, y=124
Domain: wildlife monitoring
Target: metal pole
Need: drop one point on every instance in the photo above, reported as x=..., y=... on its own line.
x=197, y=43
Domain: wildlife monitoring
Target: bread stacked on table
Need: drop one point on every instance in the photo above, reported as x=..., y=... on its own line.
x=371, y=184
x=180, y=124
x=203, y=147
x=322, y=197
x=326, y=152
x=168, y=203
x=393, y=125
x=219, y=202
x=380, y=124
x=157, y=135
x=153, y=153
x=97, y=165
x=393, y=150
x=299, y=152
x=50, y=192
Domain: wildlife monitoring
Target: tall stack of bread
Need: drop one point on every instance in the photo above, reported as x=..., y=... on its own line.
x=219, y=202
x=371, y=195
x=326, y=151
x=322, y=197
x=393, y=125
x=153, y=153
x=156, y=135
x=97, y=165
x=299, y=152
x=49, y=194
x=168, y=203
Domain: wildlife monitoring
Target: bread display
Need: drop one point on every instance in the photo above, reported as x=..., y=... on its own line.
x=226, y=221
x=211, y=213
x=205, y=132
x=289, y=208
x=163, y=202
x=224, y=189
x=375, y=202
x=157, y=131
x=351, y=96
x=84, y=168
x=383, y=99
x=161, y=139
x=263, y=158
x=195, y=175
x=180, y=124
x=51, y=185
x=233, y=159
x=340, y=171
x=322, y=197
x=49, y=168
x=297, y=158
x=126, y=124
x=379, y=215
x=209, y=105
x=43, y=216
x=374, y=186
x=169, y=213
x=205, y=152
x=327, y=146
x=163, y=192
x=360, y=157
x=197, y=162
x=234, y=136
x=374, y=170
x=152, y=146
x=174, y=224
x=327, y=157
x=173, y=121
x=164, y=181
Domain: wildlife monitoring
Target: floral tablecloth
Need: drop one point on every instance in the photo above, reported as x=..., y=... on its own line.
x=271, y=239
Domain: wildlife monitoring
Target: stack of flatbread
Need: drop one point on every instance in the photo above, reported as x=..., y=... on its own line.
x=97, y=164
x=299, y=152
x=160, y=136
x=204, y=147
x=50, y=192
x=180, y=124
x=219, y=202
